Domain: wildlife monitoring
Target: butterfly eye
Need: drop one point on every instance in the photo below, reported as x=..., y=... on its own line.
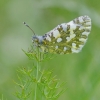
x=36, y=40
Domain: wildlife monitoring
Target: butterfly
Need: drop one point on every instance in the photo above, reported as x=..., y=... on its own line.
x=65, y=38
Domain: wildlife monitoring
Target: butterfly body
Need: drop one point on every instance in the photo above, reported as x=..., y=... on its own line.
x=65, y=38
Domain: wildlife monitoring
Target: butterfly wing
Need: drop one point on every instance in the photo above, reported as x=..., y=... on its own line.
x=68, y=37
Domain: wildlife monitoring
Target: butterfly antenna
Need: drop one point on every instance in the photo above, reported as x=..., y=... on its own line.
x=29, y=27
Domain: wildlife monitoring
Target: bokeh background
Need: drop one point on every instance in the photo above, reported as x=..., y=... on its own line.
x=81, y=71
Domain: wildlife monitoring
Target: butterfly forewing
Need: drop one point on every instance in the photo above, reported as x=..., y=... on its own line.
x=67, y=37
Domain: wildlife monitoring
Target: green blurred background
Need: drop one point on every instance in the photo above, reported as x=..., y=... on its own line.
x=81, y=71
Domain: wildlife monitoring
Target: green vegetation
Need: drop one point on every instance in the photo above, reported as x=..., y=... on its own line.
x=81, y=71
x=37, y=84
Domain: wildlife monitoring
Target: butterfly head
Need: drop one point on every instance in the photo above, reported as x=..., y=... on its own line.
x=37, y=40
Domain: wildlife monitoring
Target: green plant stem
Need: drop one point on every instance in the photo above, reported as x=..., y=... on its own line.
x=37, y=72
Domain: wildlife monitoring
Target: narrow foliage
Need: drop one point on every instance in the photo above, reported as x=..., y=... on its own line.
x=37, y=84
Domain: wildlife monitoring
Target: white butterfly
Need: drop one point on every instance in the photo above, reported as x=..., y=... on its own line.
x=65, y=38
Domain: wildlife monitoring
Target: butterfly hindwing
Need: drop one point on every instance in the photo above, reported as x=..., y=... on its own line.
x=67, y=37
